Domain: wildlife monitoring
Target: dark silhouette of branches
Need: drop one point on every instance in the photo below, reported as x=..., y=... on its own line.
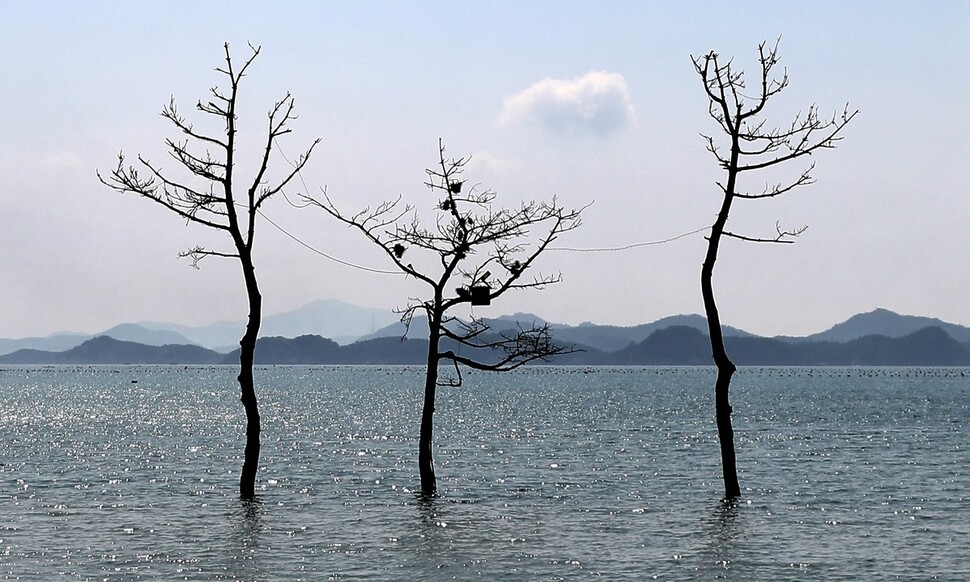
x=208, y=192
x=478, y=253
x=752, y=145
x=214, y=201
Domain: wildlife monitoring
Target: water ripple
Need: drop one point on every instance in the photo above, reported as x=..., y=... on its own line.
x=130, y=473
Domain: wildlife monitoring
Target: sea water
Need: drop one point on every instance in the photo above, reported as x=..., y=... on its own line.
x=547, y=473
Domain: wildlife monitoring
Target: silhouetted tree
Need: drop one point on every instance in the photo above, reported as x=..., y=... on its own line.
x=752, y=146
x=211, y=196
x=487, y=250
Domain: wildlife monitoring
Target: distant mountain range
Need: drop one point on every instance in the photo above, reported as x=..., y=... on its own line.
x=889, y=324
x=342, y=322
x=877, y=338
x=605, y=338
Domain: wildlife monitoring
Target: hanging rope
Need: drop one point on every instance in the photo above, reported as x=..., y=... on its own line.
x=630, y=246
x=305, y=244
x=325, y=255
x=384, y=272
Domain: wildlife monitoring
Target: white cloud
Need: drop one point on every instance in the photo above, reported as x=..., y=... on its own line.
x=598, y=103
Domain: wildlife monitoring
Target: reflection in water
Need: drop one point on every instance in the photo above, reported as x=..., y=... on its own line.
x=426, y=505
x=726, y=525
x=429, y=510
x=439, y=540
x=247, y=527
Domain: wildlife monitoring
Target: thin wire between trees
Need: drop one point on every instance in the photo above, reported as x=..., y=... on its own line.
x=317, y=251
x=631, y=246
x=338, y=260
x=325, y=255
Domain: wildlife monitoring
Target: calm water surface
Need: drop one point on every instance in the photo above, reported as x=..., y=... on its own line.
x=130, y=473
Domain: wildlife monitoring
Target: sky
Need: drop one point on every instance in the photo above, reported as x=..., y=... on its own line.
x=583, y=101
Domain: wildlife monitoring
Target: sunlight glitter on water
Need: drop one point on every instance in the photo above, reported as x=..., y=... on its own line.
x=546, y=474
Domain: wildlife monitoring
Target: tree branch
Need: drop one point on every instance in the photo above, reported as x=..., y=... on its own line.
x=781, y=237
x=475, y=244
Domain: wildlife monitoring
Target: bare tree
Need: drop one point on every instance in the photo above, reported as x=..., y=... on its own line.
x=752, y=146
x=210, y=195
x=488, y=251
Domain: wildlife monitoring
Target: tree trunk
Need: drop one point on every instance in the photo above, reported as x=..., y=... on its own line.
x=725, y=367
x=725, y=370
x=429, y=484
x=247, y=354
x=725, y=432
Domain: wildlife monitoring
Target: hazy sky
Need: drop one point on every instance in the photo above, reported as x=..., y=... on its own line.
x=586, y=101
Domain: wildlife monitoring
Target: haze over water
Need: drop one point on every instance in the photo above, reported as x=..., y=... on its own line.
x=129, y=473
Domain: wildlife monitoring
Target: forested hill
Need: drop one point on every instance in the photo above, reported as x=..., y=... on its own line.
x=687, y=346
x=675, y=345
